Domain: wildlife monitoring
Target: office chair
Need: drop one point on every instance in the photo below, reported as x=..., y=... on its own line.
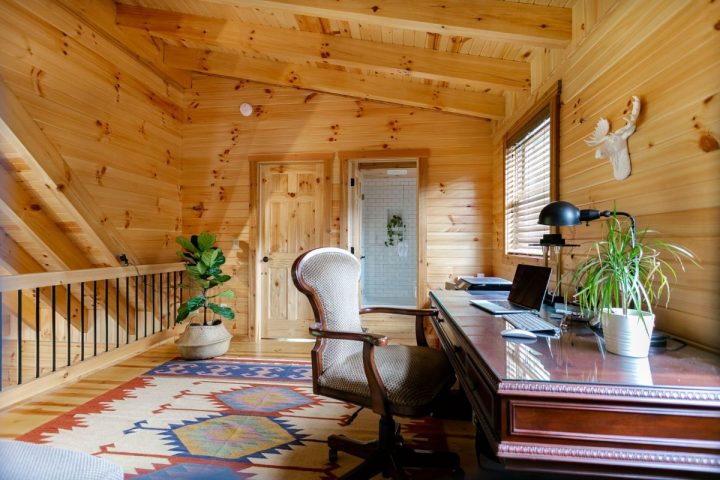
x=351, y=365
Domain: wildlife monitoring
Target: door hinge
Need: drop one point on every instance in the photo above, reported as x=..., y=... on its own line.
x=352, y=182
x=352, y=249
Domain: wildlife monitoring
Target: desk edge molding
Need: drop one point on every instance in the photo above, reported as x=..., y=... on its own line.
x=595, y=454
x=624, y=392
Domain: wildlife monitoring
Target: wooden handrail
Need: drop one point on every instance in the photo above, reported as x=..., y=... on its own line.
x=47, y=279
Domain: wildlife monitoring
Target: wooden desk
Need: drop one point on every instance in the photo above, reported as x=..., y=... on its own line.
x=564, y=406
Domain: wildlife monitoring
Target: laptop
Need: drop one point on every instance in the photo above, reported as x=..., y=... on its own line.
x=526, y=294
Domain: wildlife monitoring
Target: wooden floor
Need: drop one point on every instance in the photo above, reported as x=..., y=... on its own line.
x=20, y=419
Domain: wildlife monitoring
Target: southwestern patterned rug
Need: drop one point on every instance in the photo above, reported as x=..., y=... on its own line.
x=230, y=418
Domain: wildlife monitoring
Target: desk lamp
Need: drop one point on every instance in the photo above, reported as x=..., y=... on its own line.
x=565, y=214
x=556, y=214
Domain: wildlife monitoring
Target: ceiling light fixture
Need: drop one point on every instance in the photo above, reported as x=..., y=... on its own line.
x=246, y=109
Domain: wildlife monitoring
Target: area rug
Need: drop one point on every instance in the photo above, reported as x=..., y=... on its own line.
x=229, y=418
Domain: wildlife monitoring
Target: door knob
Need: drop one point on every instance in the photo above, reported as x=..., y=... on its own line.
x=266, y=259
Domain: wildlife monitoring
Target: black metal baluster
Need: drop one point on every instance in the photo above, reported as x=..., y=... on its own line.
x=174, y=296
x=137, y=310
x=37, y=333
x=19, y=335
x=153, y=302
x=145, y=309
x=94, y=318
x=107, y=319
x=127, y=310
x=117, y=312
x=82, y=321
x=160, y=303
x=69, y=323
x=167, y=297
x=54, y=334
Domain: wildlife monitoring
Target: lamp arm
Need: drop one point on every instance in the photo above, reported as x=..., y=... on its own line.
x=608, y=213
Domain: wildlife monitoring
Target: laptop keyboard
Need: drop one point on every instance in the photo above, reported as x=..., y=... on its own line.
x=532, y=323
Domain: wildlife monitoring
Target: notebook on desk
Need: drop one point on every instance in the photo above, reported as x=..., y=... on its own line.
x=526, y=294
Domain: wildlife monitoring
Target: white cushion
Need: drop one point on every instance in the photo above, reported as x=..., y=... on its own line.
x=31, y=461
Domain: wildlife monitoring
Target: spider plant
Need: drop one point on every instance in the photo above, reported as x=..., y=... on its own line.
x=618, y=274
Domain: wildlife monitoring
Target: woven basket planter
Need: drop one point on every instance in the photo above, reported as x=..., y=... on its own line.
x=199, y=342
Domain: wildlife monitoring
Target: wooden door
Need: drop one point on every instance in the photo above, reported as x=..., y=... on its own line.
x=292, y=206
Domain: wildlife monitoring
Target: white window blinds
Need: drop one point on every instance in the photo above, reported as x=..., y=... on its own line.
x=527, y=185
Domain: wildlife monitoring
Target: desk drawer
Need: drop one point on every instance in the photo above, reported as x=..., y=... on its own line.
x=482, y=396
x=636, y=425
x=449, y=340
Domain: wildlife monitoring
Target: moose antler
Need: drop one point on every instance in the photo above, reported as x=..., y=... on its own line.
x=613, y=145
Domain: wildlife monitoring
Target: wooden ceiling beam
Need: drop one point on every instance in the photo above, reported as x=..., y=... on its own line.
x=22, y=133
x=527, y=24
x=28, y=214
x=297, y=47
x=341, y=83
x=18, y=261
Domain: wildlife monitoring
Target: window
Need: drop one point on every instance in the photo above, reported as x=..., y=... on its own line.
x=529, y=174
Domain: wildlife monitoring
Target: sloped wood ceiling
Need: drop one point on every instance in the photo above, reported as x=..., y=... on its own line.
x=93, y=95
x=455, y=56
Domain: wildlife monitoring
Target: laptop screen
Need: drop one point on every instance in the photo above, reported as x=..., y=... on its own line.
x=529, y=285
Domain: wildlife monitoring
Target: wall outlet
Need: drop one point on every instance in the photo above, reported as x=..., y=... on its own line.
x=235, y=243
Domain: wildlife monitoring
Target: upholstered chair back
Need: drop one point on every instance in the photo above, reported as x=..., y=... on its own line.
x=332, y=275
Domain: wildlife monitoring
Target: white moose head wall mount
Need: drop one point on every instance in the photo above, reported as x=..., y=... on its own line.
x=613, y=145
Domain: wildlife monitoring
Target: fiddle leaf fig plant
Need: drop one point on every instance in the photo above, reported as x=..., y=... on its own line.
x=203, y=261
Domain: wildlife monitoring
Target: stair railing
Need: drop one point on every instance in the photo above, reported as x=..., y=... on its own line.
x=54, y=320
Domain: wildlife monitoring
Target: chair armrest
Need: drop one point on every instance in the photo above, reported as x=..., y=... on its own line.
x=424, y=312
x=420, y=314
x=378, y=392
x=371, y=338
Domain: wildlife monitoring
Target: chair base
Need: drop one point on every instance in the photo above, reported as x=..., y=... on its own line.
x=389, y=456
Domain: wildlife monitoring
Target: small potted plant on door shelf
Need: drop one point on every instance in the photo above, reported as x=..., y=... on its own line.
x=621, y=280
x=395, y=230
x=203, y=261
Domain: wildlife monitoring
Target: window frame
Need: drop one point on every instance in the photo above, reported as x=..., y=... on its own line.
x=549, y=101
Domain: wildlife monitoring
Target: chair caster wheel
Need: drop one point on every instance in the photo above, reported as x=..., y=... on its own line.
x=332, y=455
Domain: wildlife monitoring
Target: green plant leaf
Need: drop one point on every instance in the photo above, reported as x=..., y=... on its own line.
x=225, y=294
x=186, y=244
x=205, y=241
x=209, y=257
x=223, y=278
x=182, y=313
x=193, y=303
x=222, y=311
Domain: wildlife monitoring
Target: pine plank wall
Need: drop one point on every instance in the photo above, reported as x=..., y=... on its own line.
x=217, y=141
x=115, y=121
x=669, y=57
x=119, y=125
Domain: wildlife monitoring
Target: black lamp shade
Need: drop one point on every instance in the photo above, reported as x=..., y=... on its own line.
x=559, y=214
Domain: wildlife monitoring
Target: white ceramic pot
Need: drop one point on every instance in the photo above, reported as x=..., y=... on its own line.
x=198, y=341
x=627, y=335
